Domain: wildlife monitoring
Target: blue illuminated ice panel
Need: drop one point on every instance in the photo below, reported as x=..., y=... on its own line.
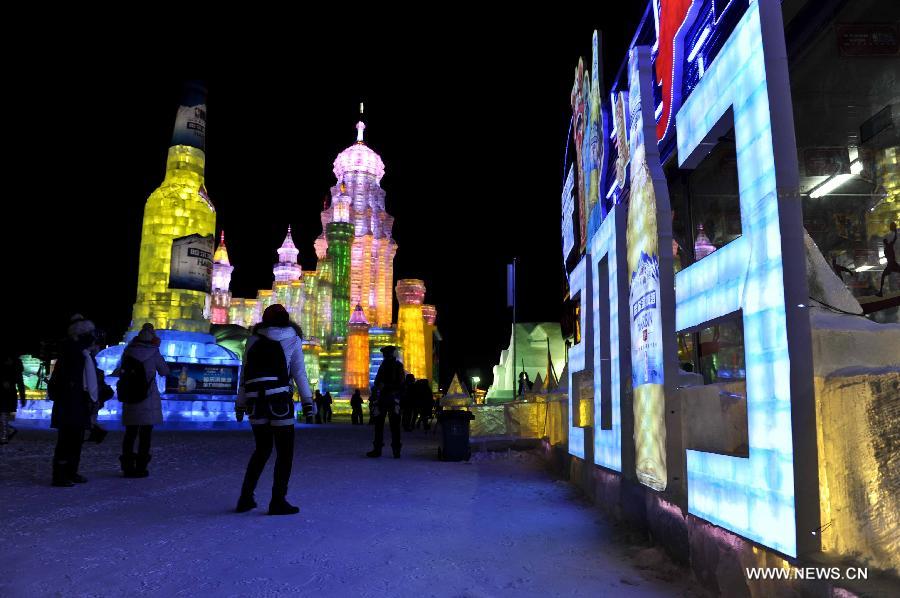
x=752, y=496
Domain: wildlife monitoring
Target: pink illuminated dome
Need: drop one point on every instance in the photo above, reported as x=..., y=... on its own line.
x=359, y=157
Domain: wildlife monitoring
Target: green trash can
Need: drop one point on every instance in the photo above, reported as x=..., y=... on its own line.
x=454, y=435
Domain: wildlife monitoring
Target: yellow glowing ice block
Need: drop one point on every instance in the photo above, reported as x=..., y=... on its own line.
x=179, y=207
x=429, y=314
x=411, y=325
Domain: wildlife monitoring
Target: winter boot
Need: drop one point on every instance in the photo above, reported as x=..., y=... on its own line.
x=280, y=506
x=77, y=478
x=140, y=466
x=375, y=452
x=128, y=465
x=4, y=428
x=245, y=503
x=60, y=475
x=97, y=434
x=396, y=450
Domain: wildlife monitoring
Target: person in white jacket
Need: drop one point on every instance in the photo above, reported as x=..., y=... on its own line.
x=273, y=358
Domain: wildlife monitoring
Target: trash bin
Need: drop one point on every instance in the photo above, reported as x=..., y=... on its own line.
x=454, y=435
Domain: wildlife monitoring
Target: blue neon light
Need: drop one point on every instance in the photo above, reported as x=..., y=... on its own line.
x=577, y=284
x=752, y=496
x=610, y=242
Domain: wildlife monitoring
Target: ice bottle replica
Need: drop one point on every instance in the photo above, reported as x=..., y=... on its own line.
x=175, y=271
x=177, y=274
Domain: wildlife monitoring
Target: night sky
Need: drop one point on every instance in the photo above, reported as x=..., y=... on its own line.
x=470, y=121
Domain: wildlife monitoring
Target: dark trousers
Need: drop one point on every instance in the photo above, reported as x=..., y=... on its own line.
x=265, y=436
x=356, y=416
x=142, y=434
x=408, y=418
x=394, y=419
x=423, y=417
x=67, y=454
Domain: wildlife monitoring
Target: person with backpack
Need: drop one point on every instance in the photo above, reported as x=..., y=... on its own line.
x=386, y=403
x=273, y=358
x=139, y=394
x=12, y=387
x=72, y=388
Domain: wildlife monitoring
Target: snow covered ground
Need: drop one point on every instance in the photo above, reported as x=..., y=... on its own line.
x=368, y=527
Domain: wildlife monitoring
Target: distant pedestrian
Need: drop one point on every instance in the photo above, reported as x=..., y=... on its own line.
x=356, y=412
x=273, y=357
x=12, y=387
x=320, y=407
x=141, y=403
x=72, y=389
x=386, y=403
x=524, y=384
x=424, y=404
x=327, y=402
x=891, y=266
x=408, y=403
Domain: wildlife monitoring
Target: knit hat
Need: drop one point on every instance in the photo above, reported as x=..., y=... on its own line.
x=276, y=315
x=388, y=350
x=147, y=334
x=79, y=326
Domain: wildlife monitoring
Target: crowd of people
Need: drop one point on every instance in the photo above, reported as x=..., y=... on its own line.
x=273, y=367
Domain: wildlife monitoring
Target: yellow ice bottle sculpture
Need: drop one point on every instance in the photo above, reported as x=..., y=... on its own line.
x=179, y=211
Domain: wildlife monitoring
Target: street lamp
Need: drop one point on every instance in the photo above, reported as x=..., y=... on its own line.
x=475, y=381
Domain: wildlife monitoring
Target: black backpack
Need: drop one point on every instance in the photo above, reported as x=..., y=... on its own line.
x=133, y=385
x=265, y=359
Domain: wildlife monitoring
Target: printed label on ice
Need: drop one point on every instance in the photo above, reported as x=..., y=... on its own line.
x=646, y=339
x=191, y=266
x=191, y=378
x=190, y=126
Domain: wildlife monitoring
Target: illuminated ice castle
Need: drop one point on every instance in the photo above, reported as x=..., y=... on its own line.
x=345, y=305
x=354, y=275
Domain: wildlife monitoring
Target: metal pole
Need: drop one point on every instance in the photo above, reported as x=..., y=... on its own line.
x=514, y=366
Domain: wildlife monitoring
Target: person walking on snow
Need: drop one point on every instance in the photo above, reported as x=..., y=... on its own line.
x=12, y=387
x=145, y=411
x=273, y=357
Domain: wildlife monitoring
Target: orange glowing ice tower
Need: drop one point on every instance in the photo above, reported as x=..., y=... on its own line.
x=356, y=373
x=411, y=325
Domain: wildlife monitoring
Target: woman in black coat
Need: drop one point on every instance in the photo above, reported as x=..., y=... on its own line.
x=73, y=388
x=12, y=387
